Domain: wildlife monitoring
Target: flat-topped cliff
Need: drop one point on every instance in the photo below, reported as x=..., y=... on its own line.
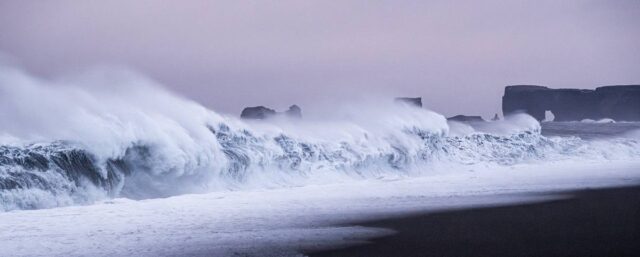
x=616, y=102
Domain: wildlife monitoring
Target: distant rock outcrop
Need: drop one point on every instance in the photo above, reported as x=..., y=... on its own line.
x=413, y=101
x=257, y=113
x=294, y=112
x=261, y=112
x=464, y=118
x=615, y=102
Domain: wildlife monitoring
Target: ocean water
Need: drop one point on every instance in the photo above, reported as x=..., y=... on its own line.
x=80, y=144
x=591, y=130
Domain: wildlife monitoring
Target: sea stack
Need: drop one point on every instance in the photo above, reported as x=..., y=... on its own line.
x=261, y=113
x=294, y=112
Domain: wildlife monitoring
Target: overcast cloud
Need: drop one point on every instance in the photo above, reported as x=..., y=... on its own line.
x=457, y=55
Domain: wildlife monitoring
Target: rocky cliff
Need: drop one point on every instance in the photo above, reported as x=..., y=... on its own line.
x=621, y=103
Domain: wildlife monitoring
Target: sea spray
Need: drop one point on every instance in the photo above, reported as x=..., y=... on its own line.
x=66, y=143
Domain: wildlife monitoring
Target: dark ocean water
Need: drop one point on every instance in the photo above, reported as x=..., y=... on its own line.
x=588, y=131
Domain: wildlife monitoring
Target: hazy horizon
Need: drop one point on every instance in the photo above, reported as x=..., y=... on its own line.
x=227, y=55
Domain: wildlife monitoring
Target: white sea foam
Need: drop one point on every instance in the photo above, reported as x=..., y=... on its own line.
x=605, y=120
x=117, y=134
x=279, y=222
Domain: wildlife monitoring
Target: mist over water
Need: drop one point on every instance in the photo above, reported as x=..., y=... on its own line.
x=105, y=134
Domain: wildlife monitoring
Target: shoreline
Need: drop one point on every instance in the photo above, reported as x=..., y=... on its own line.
x=594, y=222
x=288, y=221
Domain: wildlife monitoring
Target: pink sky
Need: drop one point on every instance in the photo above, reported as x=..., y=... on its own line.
x=457, y=55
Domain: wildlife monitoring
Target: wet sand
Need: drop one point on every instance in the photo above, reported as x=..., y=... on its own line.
x=602, y=222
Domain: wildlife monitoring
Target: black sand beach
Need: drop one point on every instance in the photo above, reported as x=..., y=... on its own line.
x=602, y=222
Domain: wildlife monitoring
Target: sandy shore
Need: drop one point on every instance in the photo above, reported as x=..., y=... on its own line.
x=602, y=222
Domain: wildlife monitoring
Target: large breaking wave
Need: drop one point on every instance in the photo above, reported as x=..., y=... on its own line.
x=104, y=134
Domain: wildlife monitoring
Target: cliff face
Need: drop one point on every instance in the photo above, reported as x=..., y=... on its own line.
x=615, y=102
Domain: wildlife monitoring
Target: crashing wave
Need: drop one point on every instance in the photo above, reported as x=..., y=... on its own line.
x=600, y=121
x=62, y=173
x=77, y=145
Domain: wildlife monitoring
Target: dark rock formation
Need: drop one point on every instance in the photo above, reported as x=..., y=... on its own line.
x=261, y=112
x=495, y=118
x=257, y=113
x=413, y=101
x=615, y=102
x=464, y=118
x=294, y=112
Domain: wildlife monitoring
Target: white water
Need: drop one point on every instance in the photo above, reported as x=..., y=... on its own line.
x=280, y=222
x=102, y=135
x=605, y=120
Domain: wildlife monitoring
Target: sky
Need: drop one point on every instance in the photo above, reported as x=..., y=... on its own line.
x=456, y=55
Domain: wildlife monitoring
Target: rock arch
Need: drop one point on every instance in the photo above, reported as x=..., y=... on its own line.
x=615, y=102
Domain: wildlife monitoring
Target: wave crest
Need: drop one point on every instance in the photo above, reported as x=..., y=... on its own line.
x=79, y=145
